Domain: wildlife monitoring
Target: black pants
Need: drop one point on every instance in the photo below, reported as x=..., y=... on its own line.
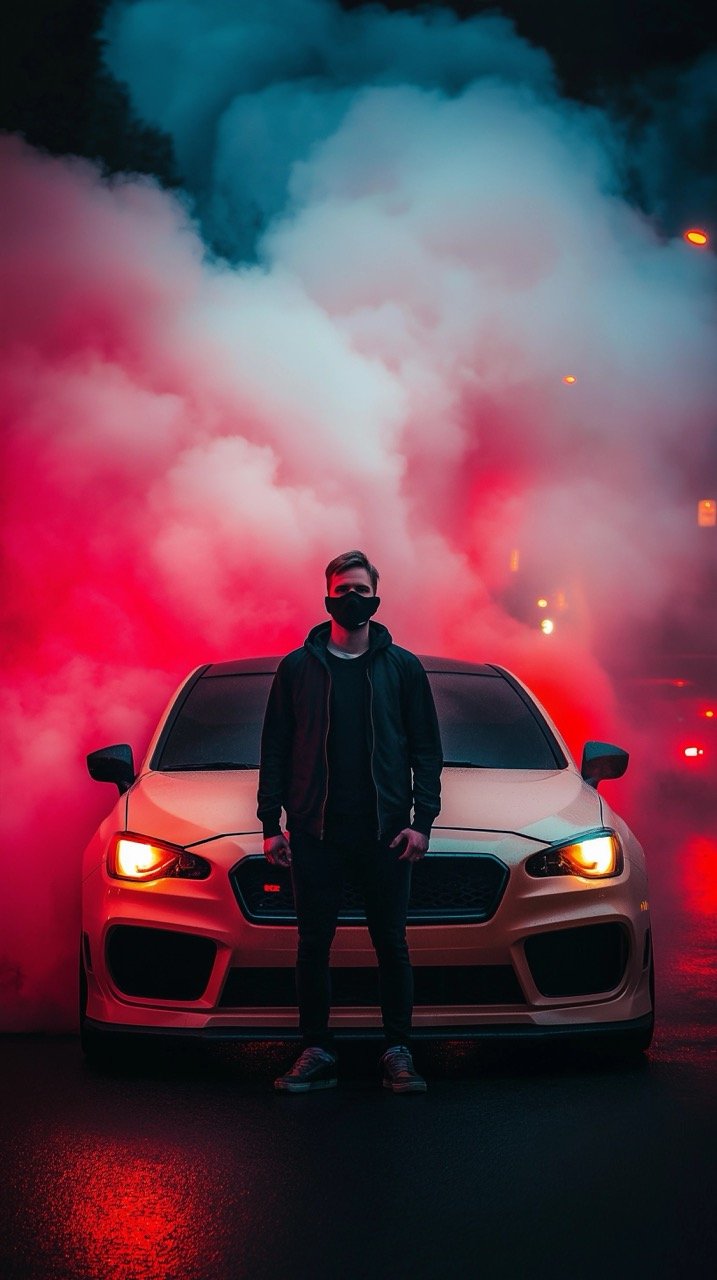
x=318, y=869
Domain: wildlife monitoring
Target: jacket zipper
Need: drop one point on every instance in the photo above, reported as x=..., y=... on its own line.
x=326, y=751
x=373, y=745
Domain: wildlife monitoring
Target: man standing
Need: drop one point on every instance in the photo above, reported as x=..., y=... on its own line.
x=350, y=746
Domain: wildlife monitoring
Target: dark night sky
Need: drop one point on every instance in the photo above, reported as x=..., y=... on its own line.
x=601, y=44
x=51, y=89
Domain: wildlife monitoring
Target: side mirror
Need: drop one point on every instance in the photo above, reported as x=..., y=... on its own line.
x=113, y=764
x=602, y=760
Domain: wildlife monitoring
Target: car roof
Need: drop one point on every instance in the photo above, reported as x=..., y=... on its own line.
x=262, y=666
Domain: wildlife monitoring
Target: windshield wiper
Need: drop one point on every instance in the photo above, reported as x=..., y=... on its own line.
x=463, y=764
x=207, y=765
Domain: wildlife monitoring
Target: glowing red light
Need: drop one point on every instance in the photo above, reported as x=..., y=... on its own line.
x=136, y=1222
x=691, y=752
x=697, y=236
x=709, y=715
x=569, y=379
x=272, y=888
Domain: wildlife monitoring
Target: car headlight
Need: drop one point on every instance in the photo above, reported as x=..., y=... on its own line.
x=594, y=855
x=135, y=857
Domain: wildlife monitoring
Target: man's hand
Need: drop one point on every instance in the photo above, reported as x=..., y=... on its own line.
x=416, y=844
x=278, y=850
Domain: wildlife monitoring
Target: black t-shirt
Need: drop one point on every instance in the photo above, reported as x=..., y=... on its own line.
x=352, y=794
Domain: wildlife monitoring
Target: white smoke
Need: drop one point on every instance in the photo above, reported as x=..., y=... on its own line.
x=247, y=90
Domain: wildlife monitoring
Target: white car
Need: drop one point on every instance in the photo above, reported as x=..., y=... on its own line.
x=529, y=916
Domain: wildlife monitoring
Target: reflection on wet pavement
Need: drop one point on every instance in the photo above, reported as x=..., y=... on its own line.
x=116, y=1211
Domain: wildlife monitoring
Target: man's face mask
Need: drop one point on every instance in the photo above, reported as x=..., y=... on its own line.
x=352, y=610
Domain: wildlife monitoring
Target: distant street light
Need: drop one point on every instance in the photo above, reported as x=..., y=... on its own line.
x=697, y=236
x=707, y=513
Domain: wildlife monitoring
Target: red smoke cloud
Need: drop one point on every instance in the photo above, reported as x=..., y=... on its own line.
x=187, y=443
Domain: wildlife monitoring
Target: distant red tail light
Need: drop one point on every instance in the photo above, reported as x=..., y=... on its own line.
x=692, y=752
x=272, y=888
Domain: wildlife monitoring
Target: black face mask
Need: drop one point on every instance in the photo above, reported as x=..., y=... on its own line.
x=352, y=610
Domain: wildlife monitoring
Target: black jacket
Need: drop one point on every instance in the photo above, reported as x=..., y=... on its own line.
x=405, y=745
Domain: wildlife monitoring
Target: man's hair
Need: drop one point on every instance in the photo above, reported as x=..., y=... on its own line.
x=351, y=560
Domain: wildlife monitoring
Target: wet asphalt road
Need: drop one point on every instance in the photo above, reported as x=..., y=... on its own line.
x=525, y=1163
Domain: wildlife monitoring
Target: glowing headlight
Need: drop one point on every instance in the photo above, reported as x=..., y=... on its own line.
x=594, y=855
x=134, y=857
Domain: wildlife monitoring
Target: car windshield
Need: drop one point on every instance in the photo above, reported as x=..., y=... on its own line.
x=219, y=724
x=485, y=723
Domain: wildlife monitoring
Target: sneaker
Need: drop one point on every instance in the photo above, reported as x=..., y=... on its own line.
x=315, y=1068
x=399, y=1072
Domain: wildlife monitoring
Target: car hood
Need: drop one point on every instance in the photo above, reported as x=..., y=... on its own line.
x=544, y=805
x=185, y=808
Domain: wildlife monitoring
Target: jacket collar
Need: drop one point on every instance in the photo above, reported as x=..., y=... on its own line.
x=379, y=637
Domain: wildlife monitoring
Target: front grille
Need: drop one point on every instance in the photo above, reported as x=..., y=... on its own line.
x=578, y=962
x=446, y=888
x=159, y=964
x=433, y=985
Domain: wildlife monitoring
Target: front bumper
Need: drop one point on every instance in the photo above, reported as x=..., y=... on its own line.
x=501, y=1032
x=509, y=996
